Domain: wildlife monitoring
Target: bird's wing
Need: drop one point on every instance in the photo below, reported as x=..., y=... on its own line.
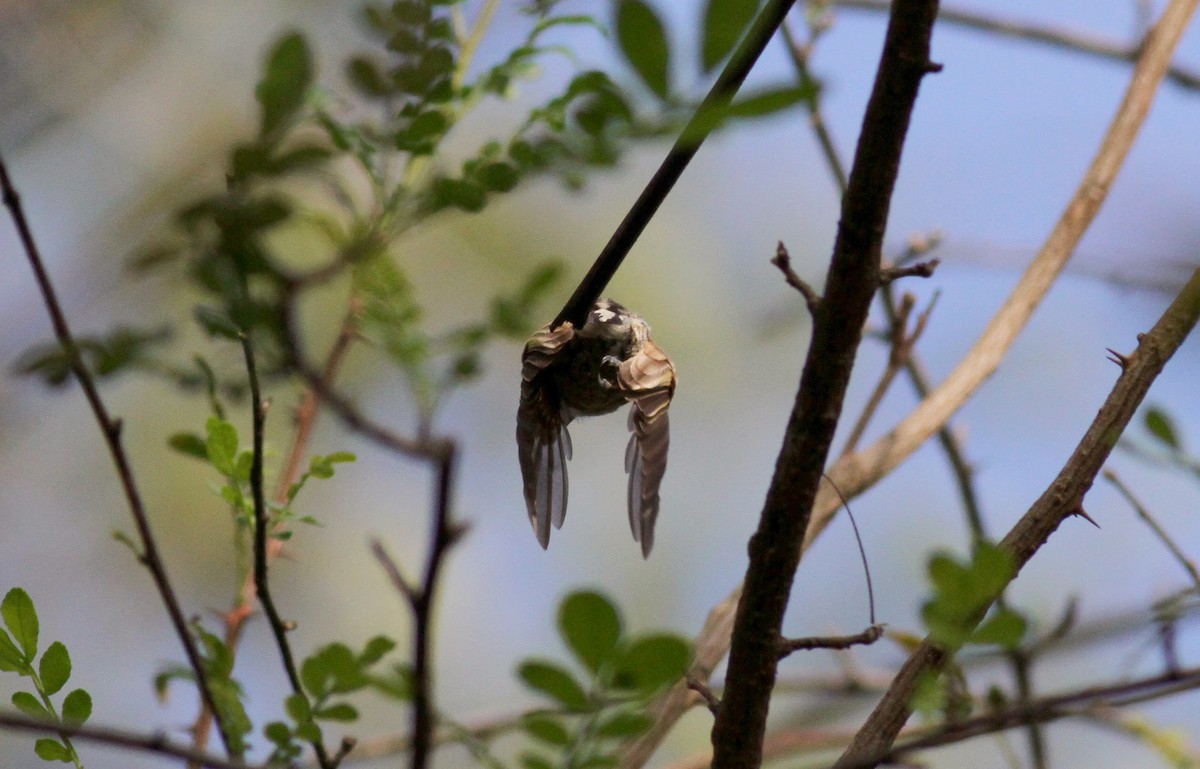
x=648, y=379
x=543, y=444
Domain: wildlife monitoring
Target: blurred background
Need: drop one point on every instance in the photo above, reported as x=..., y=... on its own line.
x=113, y=111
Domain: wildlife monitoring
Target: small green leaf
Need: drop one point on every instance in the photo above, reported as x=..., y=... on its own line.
x=76, y=707
x=189, y=444
x=22, y=620
x=624, y=724
x=643, y=40
x=340, y=712
x=222, y=444
x=534, y=761
x=555, y=682
x=1162, y=427
x=54, y=668
x=591, y=626
x=768, y=101
x=52, y=750
x=216, y=323
x=285, y=83
x=599, y=761
x=725, y=21
x=652, y=662
x=298, y=708
x=375, y=649
x=11, y=658
x=546, y=728
x=30, y=705
x=1005, y=627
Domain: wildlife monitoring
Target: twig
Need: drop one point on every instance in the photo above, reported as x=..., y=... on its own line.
x=420, y=599
x=1176, y=552
x=1063, y=497
x=155, y=744
x=901, y=343
x=865, y=638
x=306, y=416
x=677, y=159
x=915, y=270
x=1059, y=38
x=783, y=261
x=261, y=532
x=800, y=54
x=111, y=430
x=837, y=331
x=701, y=688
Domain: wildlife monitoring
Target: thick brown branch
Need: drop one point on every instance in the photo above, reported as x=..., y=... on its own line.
x=837, y=330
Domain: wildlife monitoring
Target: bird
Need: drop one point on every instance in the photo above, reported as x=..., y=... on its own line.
x=590, y=371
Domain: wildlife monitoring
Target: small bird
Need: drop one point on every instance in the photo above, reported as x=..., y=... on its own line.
x=568, y=373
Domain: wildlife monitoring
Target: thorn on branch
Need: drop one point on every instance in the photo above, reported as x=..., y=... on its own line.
x=1119, y=359
x=701, y=688
x=919, y=270
x=784, y=262
x=1079, y=511
x=932, y=67
x=865, y=638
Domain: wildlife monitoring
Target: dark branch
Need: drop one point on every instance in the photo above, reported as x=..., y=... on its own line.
x=262, y=530
x=783, y=261
x=865, y=638
x=919, y=270
x=837, y=331
x=111, y=430
x=655, y=192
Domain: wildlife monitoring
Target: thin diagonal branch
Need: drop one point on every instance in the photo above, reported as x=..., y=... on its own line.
x=672, y=167
x=1062, y=499
x=111, y=430
x=262, y=532
x=1069, y=40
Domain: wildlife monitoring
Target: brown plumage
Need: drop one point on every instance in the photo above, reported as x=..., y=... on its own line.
x=566, y=373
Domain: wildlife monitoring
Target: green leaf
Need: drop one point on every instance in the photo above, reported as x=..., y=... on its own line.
x=52, y=750
x=1005, y=627
x=189, y=444
x=546, y=728
x=534, y=761
x=30, y=705
x=725, y=21
x=591, y=627
x=216, y=323
x=375, y=649
x=54, y=668
x=555, y=682
x=222, y=444
x=652, y=662
x=76, y=707
x=342, y=711
x=11, y=658
x=22, y=620
x=599, y=761
x=1162, y=427
x=769, y=101
x=643, y=40
x=624, y=724
x=298, y=708
x=285, y=83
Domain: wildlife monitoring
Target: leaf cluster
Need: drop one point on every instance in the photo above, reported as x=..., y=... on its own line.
x=962, y=592
x=18, y=653
x=603, y=701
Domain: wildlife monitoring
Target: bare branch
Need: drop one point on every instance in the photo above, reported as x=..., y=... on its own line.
x=1039, y=33
x=867, y=637
x=783, y=261
x=1176, y=552
x=111, y=430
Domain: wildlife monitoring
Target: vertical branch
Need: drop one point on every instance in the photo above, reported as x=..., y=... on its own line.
x=420, y=599
x=110, y=428
x=261, y=534
x=837, y=330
